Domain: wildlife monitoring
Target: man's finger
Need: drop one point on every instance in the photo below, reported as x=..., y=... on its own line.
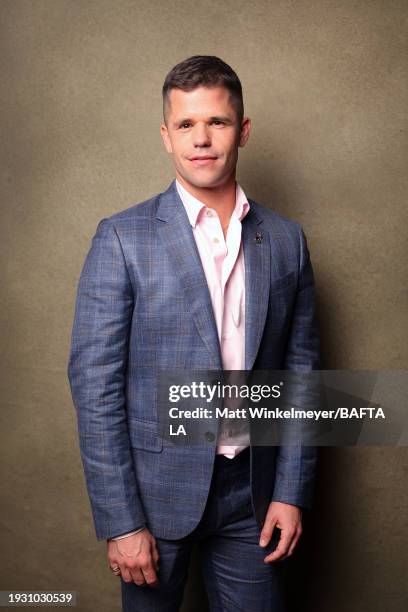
x=150, y=576
x=125, y=574
x=294, y=541
x=115, y=569
x=156, y=558
x=147, y=567
x=267, y=532
x=282, y=548
x=137, y=576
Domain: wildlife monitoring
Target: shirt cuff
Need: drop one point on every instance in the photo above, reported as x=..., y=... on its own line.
x=126, y=535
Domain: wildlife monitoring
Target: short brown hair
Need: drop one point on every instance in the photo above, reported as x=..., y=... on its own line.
x=204, y=71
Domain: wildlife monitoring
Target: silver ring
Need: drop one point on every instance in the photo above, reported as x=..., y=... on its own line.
x=115, y=570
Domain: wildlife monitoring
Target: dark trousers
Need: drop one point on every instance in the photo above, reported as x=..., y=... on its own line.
x=235, y=575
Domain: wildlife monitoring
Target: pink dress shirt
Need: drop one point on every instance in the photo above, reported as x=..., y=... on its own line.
x=223, y=263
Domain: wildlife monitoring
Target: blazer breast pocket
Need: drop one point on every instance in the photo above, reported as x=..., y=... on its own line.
x=145, y=435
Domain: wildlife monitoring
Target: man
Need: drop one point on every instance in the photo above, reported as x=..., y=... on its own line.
x=198, y=277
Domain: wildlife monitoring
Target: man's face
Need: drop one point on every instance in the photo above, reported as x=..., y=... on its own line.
x=203, y=134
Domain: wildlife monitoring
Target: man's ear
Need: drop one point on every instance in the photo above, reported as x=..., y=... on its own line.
x=245, y=129
x=166, y=139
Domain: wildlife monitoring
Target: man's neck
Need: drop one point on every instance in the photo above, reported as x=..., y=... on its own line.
x=222, y=199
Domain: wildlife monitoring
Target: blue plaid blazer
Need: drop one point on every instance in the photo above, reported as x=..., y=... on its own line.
x=143, y=304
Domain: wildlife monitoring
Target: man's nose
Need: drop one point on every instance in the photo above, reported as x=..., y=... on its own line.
x=201, y=135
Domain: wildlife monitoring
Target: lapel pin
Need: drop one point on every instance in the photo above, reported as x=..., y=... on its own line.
x=258, y=238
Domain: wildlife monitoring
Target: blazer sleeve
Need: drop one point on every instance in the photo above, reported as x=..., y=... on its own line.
x=97, y=376
x=296, y=464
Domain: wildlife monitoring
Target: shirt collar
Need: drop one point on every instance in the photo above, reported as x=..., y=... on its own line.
x=193, y=206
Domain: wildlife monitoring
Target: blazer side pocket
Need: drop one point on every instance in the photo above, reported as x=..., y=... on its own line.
x=145, y=435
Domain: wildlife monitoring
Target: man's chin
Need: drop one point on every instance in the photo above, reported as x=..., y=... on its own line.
x=202, y=182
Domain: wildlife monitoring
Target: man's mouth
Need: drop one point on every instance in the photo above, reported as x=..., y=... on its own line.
x=202, y=160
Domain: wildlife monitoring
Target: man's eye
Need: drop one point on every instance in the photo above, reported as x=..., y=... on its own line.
x=185, y=125
x=218, y=122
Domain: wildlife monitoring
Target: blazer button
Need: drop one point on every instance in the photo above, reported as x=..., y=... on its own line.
x=209, y=436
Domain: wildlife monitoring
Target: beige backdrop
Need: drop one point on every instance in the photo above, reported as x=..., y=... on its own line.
x=325, y=83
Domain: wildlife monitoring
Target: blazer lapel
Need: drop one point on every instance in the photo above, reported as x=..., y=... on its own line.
x=257, y=283
x=178, y=239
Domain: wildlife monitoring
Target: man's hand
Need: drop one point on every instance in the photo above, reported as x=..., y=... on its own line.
x=288, y=519
x=137, y=558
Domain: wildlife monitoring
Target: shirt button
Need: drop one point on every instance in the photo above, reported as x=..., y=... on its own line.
x=216, y=240
x=209, y=436
x=209, y=213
